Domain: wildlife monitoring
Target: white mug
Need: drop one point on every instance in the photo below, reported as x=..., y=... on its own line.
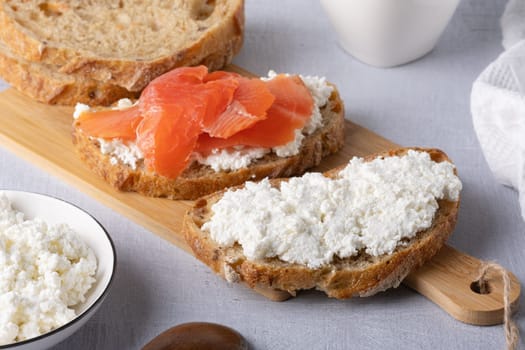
x=387, y=33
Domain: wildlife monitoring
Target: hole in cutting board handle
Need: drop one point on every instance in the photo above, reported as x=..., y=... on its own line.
x=479, y=288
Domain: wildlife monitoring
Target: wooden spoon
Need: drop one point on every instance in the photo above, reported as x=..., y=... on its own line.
x=198, y=336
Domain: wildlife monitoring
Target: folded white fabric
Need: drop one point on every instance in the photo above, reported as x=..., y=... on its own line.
x=498, y=105
x=513, y=23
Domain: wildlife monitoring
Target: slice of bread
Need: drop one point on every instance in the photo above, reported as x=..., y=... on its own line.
x=125, y=43
x=361, y=275
x=198, y=180
x=45, y=84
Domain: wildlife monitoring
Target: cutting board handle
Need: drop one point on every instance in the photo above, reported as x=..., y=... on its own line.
x=449, y=280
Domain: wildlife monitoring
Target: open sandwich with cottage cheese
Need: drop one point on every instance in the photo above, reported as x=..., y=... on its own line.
x=194, y=132
x=354, y=230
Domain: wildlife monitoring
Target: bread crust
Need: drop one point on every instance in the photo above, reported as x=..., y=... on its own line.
x=45, y=85
x=362, y=275
x=214, y=48
x=199, y=180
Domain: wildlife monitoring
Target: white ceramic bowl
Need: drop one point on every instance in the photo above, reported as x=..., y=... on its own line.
x=387, y=33
x=54, y=211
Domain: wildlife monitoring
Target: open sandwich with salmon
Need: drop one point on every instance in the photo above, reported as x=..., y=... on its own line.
x=193, y=132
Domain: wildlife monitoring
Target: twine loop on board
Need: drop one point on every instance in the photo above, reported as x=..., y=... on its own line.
x=512, y=335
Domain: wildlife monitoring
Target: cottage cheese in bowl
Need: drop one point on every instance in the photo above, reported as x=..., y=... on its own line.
x=50, y=277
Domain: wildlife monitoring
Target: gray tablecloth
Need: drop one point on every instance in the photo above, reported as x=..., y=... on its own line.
x=424, y=103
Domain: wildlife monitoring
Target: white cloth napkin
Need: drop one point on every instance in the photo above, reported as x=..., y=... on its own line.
x=513, y=23
x=498, y=104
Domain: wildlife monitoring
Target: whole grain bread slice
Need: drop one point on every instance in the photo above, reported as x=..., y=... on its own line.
x=45, y=84
x=125, y=43
x=360, y=275
x=198, y=180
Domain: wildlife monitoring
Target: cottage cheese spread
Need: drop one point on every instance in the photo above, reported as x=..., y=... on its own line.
x=127, y=153
x=44, y=270
x=311, y=219
x=225, y=160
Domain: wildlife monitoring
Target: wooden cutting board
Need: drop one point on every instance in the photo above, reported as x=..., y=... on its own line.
x=41, y=134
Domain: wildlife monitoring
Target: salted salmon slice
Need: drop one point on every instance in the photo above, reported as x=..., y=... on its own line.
x=291, y=110
x=122, y=124
x=167, y=138
x=221, y=74
x=111, y=123
x=182, y=75
x=173, y=106
x=251, y=100
x=220, y=94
